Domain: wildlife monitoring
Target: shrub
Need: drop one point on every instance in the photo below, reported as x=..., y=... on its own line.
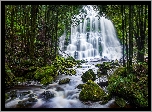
x=46, y=74
x=131, y=85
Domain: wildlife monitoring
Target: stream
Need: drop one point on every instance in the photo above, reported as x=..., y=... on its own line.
x=64, y=96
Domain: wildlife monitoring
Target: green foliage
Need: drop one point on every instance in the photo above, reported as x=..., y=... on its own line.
x=47, y=80
x=88, y=75
x=46, y=74
x=131, y=85
x=9, y=76
x=121, y=71
x=63, y=64
x=91, y=91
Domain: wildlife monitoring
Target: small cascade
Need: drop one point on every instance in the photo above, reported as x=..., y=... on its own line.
x=94, y=37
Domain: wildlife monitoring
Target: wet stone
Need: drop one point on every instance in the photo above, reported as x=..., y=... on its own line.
x=64, y=81
x=31, y=95
x=22, y=104
x=32, y=100
x=47, y=95
x=59, y=89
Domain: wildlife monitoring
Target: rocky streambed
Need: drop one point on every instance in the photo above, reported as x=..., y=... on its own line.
x=56, y=95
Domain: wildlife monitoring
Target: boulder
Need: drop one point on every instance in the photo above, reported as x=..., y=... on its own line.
x=91, y=92
x=80, y=86
x=120, y=101
x=59, y=89
x=88, y=75
x=64, y=81
x=47, y=95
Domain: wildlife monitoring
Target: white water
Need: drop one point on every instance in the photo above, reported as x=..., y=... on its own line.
x=86, y=42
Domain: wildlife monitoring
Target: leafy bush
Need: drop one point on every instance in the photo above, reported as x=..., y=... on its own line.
x=121, y=71
x=46, y=74
x=132, y=84
x=88, y=75
x=9, y=76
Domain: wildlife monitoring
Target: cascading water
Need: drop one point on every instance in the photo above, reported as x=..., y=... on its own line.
x=94, y=37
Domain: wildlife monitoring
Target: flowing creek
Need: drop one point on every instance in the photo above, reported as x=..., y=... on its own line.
x=65, y=95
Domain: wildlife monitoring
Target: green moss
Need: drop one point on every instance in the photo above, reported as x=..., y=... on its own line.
x=80, y=86
x=72, y=72
x=91, y=91
x=64, y=81
x=120, y=101
x=88, y=75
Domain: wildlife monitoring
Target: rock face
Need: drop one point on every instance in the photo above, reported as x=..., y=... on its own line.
x=64, y=81
x=91, y=91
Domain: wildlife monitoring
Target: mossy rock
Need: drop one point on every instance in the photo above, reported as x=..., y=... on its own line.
x=91, y=92
x=64, y=81
x=120, y=101
x=73, y=72
x=80, y=86
x=106, y=98
x=88, y=75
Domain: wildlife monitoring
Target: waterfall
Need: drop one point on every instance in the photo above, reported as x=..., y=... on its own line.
x=94, y=37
